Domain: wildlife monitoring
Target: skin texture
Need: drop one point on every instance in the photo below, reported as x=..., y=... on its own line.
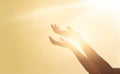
x=93, y=63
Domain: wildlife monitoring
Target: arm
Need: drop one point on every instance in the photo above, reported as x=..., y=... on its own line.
x=116, y=70
x=83, y=60
x=99, y=62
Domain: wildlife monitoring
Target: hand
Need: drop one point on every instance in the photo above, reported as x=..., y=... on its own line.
x=62, y=42
x=67, y=33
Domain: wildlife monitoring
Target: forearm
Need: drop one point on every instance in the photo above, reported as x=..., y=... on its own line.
x=116, y=70
x=85, y=62
x=99, y=62
x=89, y=51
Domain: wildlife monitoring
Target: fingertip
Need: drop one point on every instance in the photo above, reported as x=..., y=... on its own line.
x=50, y=38
x=52, y=26
x=55, y=25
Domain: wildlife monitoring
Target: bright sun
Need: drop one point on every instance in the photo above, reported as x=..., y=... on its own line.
x=111, y=4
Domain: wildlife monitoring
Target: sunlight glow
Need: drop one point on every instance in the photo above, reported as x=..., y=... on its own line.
x=110, y=4
x=49, y=10
x=77, y=45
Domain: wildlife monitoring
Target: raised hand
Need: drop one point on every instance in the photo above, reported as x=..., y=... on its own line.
x=69, y=32
x=62, y=42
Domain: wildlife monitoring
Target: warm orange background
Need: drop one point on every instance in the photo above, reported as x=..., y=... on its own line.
x=25, y=27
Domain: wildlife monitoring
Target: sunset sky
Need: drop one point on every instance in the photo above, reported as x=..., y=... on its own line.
x=25, y=27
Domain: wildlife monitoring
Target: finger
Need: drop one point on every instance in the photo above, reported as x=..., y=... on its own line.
x=55, y=26
x=56, y=29
x=55, y=42
x=52, y=26
x=52, y=40
x=63, y=44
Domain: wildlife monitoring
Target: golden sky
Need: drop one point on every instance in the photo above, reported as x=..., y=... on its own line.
x=25, y=27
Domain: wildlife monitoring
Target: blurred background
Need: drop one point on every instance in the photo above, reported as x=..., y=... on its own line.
x=25, y=27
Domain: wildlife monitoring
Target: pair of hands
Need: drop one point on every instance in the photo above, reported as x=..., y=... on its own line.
x=69, y=33
x=72, y=34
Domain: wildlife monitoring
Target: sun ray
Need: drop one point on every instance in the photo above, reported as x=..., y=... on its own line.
x=49, y=10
